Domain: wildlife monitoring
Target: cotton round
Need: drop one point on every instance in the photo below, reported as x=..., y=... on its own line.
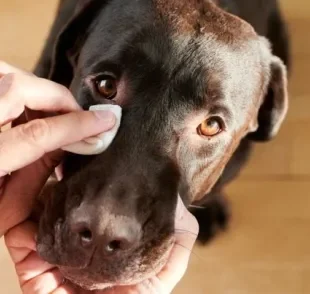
x=99, y=143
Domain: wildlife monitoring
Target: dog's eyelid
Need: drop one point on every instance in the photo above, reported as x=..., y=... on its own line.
x=223, y=114
x=220, y=117
x=105, y=67
x=103, y=74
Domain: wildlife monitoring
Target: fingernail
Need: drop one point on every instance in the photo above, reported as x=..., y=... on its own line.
x=107, y=117
x=5, y=84
x=92, y=140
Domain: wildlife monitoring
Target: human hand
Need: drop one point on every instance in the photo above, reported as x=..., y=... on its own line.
x=29, y=152
x=37, y=276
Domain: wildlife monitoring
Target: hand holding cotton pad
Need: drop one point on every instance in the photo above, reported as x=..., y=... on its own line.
x=99, y=143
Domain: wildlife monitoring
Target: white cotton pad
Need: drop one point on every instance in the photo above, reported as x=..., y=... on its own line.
x=98, y=144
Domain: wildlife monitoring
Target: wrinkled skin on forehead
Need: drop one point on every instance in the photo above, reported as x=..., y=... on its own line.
x=176, y=65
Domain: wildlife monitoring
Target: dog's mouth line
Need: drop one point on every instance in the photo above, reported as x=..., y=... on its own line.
x=140, y=277
x=91, y=258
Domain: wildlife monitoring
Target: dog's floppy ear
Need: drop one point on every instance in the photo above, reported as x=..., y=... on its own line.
x=274, y=107
x=70, y=40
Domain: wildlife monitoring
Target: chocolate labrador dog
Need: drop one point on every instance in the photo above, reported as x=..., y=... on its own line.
x=199, y=81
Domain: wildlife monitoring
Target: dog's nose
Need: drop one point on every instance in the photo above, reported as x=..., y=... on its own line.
x=117, y=234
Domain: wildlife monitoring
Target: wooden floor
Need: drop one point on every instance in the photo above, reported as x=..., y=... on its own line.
x=267, y=249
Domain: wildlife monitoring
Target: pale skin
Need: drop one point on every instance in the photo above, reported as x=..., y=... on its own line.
x=30, y=152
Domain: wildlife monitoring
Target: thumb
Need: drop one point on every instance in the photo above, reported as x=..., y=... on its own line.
x=186, y=232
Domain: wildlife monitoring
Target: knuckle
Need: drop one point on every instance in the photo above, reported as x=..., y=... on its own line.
x=9, y=238
x=66, y=98
x=6, y=68
x=12, y=78
x=65, y=92
x=36, y=131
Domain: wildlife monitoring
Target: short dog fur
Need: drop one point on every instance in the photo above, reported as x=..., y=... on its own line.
x=110, y=221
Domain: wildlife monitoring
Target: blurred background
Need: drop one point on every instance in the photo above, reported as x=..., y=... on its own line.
x=267, y=248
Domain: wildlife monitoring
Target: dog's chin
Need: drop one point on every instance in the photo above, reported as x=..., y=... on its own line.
x=84, y=279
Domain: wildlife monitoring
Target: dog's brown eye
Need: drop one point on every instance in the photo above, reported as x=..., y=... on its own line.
x=210, y=127
x=107, y=87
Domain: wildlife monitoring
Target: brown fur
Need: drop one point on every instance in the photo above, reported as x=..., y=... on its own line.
x=177, y=63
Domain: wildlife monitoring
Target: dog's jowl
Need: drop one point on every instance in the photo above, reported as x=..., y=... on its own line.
x=199, y=82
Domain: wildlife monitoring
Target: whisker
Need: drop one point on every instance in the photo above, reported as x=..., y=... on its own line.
x=191, y=251
x=185, y=231
x=153, y=270
x=196, y=206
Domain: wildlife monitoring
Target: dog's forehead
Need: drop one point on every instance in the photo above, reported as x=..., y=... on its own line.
x=234, y=57
x=227, y=47
x=199, y=17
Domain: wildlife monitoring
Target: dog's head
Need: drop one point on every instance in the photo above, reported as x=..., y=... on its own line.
x=193, y=81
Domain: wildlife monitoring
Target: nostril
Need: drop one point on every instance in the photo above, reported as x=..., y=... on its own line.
x=86, y=236
x=83, y=232
x=113, y=246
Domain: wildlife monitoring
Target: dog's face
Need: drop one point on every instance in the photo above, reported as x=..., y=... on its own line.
x=192, y=81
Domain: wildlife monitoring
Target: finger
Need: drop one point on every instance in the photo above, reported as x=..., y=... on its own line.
x=34, y=274
x=20, y=241
x=101, y=142
x=27, y=143
x=66, y=289
x=31, y=267
x=44, y=283
x=180, y=254
x=19, y=194
x=18, y=91
x=6, y=68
